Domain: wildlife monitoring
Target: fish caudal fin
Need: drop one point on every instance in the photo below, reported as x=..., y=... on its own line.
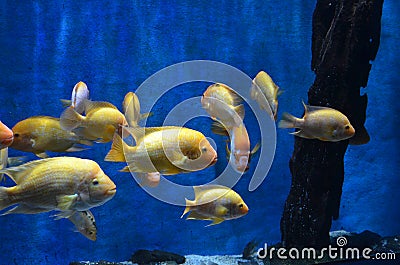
x=4, y=198
x=116, y=154
x=288, y=121
x=189, y=205
x=70, y=119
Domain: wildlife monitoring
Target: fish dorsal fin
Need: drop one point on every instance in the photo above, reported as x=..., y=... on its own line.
x=45, y=117
x=93, y=105
x=199, y=190
x=18, y=174
x=235, y=97
x=309, y=108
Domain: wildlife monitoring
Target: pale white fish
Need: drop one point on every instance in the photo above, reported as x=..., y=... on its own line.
x=85, y=224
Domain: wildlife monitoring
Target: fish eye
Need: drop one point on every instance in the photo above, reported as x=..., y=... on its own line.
x=16, y=134
x=95, y=182
x=204, y=149
x=241, y=205
x=347, y=127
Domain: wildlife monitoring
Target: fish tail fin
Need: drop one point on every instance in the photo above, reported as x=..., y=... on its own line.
x=85, y=142
x=116, y=154
x=4, y=198
x=189, y=205
x=240, y=111
x=70, y=119
x=288, y=121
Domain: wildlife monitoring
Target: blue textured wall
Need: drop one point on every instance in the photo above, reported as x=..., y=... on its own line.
x=48, y=46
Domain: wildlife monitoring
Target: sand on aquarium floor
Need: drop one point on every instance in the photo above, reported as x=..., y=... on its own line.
x=196, y=260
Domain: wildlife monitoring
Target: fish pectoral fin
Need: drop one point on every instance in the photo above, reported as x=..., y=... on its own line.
x=189, y=205
x=33, y=142
x=42, y=155
x=65, y=202
x=255, y=149
x=197, y=216
x=145, y=115
x=228, y=152
x=66, y=102
x=63, y=214
x=76, y=148
x=26, y=209
x=216, y=221
x=221, y=210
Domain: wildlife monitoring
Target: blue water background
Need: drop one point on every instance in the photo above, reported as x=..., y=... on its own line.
x=48, y=46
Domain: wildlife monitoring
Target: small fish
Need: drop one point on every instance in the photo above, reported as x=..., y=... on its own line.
x=149, y=179
x=131, y=108
x=80, y=93
x=321, y=123
x=66, y=184
x=39, y=134
x=6, y=136
x=169, y=150
x=265, y=92
x=239, y=153
x=216, y=203
x=102, y=120
x=222, y=103
x=250, y=249
x=85, y=224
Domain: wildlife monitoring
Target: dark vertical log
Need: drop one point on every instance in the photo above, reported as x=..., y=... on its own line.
x=346, y=36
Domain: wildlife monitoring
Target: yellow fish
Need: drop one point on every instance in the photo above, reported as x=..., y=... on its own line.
x=6, y=136
x=265, y=92
x=85, y=224
x=168, y=150
x=39, y=134
x=321, y=123
x=239, y=154
x=131, y=108
x=66, y=184
x=222, y=103
x=216, y=203
x=102, y=120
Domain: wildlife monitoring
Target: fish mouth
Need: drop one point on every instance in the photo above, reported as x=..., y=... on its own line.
x=112, y=191
x=7, y=141
x=214, y=161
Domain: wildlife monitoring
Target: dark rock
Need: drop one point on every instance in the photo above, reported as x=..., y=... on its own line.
x=360, y=241
x=387, y=245
x=143, y=257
